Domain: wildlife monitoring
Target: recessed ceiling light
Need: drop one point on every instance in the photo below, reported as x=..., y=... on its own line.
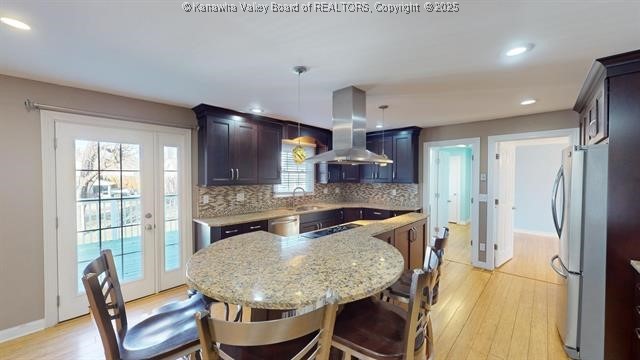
x=528, y=102
x=519, y=50
x=15, y=23
x=379, y=126
x=256, y=110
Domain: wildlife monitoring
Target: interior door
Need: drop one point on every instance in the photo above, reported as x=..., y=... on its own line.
x=454, y=189
x=105, y=200
x=442, y=204
x=504, y=203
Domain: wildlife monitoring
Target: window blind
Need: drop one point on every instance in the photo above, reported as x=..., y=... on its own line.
x=294, y=175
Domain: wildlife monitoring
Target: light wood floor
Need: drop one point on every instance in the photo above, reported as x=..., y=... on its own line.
x=505, y=314
x=531, y=256
x=459, y=244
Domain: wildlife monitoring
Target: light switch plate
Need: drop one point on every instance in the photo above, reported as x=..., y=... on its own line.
x=205, y=199
x=240, y=196
x=483, y=247
x=483, y=176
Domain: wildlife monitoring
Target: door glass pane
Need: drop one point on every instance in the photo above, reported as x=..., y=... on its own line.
x=108, y=206
x=171, y=215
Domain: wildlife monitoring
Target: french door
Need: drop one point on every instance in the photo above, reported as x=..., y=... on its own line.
x=120, y=189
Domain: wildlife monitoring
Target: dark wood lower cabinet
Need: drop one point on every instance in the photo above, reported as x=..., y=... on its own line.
x=410, y=241
x=387, y=236
x=204, y=235
x=353, y=214
x=376, y=214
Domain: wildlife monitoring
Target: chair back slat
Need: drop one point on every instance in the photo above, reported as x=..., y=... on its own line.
x=100, y=280
x=417, y=317
x=213, y=331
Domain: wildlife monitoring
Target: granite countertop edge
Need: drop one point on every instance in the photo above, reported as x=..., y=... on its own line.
x=276, y=213
x=365, y=232
x=636, y=265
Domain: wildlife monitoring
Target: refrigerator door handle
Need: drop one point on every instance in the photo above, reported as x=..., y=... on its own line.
x=553, y=266
x=554, y=197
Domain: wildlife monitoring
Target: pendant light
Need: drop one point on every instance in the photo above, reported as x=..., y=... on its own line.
x=299, y=156
x=383, y=108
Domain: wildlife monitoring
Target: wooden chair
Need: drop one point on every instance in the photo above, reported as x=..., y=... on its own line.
x=306, y=336
x=375, y=329
x=168, y=333
x=434, y=258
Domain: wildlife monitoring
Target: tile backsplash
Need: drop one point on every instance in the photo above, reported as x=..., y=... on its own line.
x=233, y=200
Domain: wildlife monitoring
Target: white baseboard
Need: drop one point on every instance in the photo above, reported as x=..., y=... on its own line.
x=21, y=330
x=536, y=233
x=464, y=222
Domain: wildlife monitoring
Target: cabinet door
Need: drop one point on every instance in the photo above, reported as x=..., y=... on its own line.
x=352, y=214
x=401, y=242
x=385, y=173
x=404, y=159
x=245, y=153
x=217, y=152
x=388, y=237
x=351, y=173
x=269, y=154
x=334, y=174
x=416, y=245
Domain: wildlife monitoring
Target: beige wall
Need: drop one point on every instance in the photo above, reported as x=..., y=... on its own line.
x=21, y=249
x=483, y=129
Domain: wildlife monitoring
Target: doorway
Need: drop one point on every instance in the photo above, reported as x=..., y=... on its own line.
x=121, y=187
x=451, y=194
x=522, y=171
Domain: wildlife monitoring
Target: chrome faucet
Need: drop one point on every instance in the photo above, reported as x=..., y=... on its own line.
x=293, y=194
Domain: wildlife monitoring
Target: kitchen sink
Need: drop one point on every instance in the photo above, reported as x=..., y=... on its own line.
x=308, y=208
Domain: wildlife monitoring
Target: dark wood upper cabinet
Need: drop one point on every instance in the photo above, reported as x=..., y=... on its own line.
x=269, y=143
x=236, y=148
x=401, y=146
x=405, y=158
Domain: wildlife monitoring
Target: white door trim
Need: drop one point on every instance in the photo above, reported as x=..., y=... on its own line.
x=475, y=189
x=492, y=142
x=47, y=141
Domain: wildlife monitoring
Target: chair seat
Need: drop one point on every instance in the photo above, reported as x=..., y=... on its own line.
x=169, y=329
x=372, y=328
x=285, y=350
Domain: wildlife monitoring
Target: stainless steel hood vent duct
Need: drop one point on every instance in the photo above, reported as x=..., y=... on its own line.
x=349, y=131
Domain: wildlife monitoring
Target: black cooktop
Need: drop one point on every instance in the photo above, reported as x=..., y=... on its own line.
x=329, y=231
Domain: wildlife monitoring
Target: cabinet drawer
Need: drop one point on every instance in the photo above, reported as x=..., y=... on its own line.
x=255, y=226
x=230, y=230
x=376, y=214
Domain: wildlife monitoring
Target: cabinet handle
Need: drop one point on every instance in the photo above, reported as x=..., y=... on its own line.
x=412, y=235
x=638, y=333
x=232, y=176
x=393, y=174
x=231, y=231
x=360, y=213
x=344, y=174
x=237, y=174
x=377, y=213
x=255, y=227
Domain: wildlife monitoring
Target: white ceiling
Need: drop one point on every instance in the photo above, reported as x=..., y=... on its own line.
x=431, y=69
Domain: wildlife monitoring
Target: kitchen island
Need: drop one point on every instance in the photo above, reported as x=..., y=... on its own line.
x=266, y=271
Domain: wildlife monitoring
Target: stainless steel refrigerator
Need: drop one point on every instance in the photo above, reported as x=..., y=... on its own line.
x=579, y=210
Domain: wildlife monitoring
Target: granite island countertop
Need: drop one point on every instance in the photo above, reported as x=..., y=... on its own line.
x=636, y=265
x=267, y=271
x=276, y=213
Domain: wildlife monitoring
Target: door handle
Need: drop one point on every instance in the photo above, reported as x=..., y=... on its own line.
x=148, y=227
x=282, y=222
x=554, y=197
x=553, y=266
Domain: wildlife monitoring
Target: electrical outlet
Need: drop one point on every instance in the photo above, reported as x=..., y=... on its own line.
x=394, y=192
x=337, y=190
x=205, y=199
x=240, y=196
x=325, y=191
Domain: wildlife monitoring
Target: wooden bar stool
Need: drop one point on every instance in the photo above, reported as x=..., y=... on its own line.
x=374, y=329
x=306, y=336
x=169, y=332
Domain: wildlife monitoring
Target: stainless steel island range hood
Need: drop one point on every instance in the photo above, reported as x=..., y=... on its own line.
x=349, y=131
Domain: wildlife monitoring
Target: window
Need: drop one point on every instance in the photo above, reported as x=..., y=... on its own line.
x=294, y=175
